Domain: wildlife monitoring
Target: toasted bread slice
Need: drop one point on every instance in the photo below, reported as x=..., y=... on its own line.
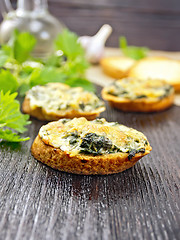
x=56, y=100
x=158, y=68
x=117, y=67
x=89, y=147
x=135, y=95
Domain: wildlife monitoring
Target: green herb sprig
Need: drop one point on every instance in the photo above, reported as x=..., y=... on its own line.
x=20, y=71
x=12, y=121
x=132, y=51
x=68, y=67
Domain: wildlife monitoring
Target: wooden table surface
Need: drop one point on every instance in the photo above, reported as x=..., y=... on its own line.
x=155, y=24
x=142, y=203
x=37, y=202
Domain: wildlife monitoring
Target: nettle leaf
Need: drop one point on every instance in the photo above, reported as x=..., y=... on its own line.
x=5, y=54
x=10, y=116
x=46, y=75
x=10, y=136
x=8, y=82
x=3, y=58
x=84, y=83
x=68, y=43
x=132, y=51
x=23, y=45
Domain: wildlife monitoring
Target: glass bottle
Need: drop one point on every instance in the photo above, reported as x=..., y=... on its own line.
x=31, y=16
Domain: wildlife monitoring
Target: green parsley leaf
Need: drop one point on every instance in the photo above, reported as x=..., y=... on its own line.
x=8, y=82
x=132, y=51
x=11, y=117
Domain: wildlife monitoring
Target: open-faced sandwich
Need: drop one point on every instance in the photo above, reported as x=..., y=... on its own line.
x=135, y=95
x=157, y=68
x=56, y=100
x=89, y=147
x=117, y=67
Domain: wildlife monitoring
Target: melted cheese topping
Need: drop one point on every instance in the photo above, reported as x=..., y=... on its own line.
x=62, y=133
x=55, y=97
x=132, y=88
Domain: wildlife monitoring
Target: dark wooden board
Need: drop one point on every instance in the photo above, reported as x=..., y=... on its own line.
x=37, y=202
x=155, y=24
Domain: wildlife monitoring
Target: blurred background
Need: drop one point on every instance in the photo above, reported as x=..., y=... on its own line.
x=151, y=23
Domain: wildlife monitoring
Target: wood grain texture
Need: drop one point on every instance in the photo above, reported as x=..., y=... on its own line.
x=37, y=202
x=155, y=24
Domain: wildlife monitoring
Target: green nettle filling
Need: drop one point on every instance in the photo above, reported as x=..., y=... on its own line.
x=119, y=91
x=70, y=136
x=167, y=91
x=89, y=107
x=62, y=99
x=94, y=144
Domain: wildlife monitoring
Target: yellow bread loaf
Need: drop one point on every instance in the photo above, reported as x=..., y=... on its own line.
x=157, y=68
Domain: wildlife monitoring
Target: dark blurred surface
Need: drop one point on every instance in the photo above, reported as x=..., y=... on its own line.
x=141, y=203
x=151, y=23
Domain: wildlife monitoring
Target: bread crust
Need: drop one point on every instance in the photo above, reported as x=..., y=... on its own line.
x=116, y=70
x=41, y=114
x=83, y=164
